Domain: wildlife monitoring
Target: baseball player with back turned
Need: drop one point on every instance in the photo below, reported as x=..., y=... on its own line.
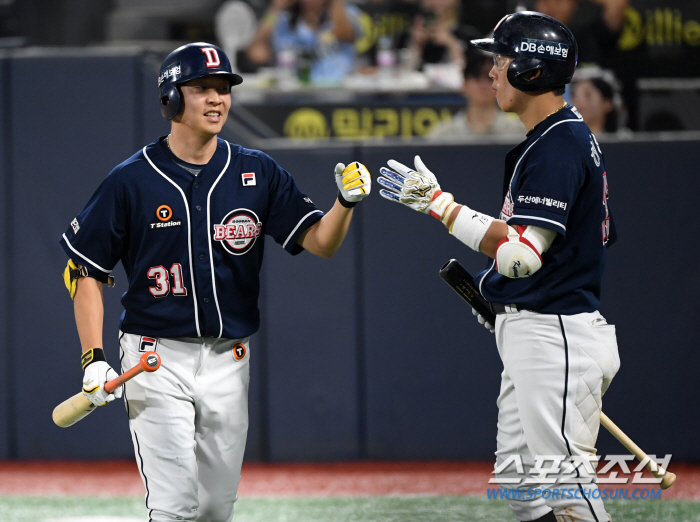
x=186, y=216
x=548, y=250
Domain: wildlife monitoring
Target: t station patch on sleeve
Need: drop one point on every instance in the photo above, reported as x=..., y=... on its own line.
x=539, y=201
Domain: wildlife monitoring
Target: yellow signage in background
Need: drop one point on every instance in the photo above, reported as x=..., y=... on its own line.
x=306, y=123
x=363, y=122
x=658, y=27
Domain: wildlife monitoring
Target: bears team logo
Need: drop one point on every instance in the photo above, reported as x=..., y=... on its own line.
x=507, y=210
x=238, y=231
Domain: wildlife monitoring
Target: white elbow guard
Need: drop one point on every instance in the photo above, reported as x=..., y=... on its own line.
x=516, y=254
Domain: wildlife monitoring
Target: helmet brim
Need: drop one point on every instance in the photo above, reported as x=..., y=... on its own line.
x=492, y=46
x=233, y=78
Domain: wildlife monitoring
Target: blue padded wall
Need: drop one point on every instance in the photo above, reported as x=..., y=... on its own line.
x=309, y=321
x=67, y=135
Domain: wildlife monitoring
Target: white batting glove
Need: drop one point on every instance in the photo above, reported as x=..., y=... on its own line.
x=481, y=320
x=417, y=189
x=96, y=375
x=354, y=183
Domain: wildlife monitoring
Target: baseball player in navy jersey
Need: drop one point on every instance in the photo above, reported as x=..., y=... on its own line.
x=547, y=250
x=186, y=215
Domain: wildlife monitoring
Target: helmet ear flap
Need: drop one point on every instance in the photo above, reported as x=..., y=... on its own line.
x=170, y=101
x=521, y=71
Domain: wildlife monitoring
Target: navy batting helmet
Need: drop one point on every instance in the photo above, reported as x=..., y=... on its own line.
x=186, y=63
x=536, y=42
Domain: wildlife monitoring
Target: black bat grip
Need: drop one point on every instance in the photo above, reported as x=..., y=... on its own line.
x=462, y=282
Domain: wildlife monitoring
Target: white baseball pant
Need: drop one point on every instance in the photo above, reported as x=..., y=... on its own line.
x=556, y=369
x=189, y=422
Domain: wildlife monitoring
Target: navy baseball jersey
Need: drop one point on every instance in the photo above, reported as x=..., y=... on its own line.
x=190, y=237
x=556, y=179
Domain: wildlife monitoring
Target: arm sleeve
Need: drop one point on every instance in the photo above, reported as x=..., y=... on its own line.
x=548, y=186
x=96, y=238
x=291, y=212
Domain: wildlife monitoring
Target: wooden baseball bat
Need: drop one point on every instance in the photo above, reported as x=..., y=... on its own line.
x=667, y=478
x=462, y=282
x=78, y=407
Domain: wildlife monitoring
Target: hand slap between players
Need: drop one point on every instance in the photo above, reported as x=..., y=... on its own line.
x=417, y=189
x=354, y=183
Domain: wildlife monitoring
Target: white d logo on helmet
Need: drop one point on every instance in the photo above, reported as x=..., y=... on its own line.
x=212, y=57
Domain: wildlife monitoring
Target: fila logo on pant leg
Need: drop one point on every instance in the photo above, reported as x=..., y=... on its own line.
x=148, y=344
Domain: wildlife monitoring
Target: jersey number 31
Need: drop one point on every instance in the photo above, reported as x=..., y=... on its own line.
x=162, y=288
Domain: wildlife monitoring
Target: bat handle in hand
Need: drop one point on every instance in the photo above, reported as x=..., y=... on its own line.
x=149, y=362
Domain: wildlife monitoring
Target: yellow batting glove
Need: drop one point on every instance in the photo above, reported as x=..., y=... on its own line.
x=354, y=183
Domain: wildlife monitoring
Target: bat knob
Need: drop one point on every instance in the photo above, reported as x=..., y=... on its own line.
x=668, y=480
x=150, y=361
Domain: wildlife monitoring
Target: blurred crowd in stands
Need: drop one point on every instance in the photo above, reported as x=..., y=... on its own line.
x=405, y=44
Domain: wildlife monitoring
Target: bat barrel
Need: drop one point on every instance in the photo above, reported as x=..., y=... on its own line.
x=667, y=478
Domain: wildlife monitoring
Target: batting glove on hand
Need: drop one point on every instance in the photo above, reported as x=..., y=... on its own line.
x=96, y=375
x=354, y=183
x=417, y=189
x=481, y=320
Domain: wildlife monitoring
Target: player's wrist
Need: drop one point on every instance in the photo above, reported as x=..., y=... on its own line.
x=439, y=204
x=447, y=214
x=345, y=202
x=92, y=355
x=470, y=227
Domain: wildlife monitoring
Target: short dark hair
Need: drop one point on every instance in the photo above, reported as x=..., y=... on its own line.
x=559, y=91
x=476, y=58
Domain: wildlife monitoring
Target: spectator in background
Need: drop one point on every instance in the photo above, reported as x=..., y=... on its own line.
x=595, y=93
x=321, y=32
x=384, y=18
x=596, y=24
x=482, y=115
x=437, y=36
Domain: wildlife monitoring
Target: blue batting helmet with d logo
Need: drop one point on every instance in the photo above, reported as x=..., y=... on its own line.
x=536, y=42
x=186, y=63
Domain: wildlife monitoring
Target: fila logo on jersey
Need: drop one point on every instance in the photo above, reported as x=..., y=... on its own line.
x=164, y=213
x=212, y=57
x=248, y=179
x=148, y=344
x=238, y=231
x=238, y=351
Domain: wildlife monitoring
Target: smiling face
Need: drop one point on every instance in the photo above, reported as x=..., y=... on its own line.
x=206, y=104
